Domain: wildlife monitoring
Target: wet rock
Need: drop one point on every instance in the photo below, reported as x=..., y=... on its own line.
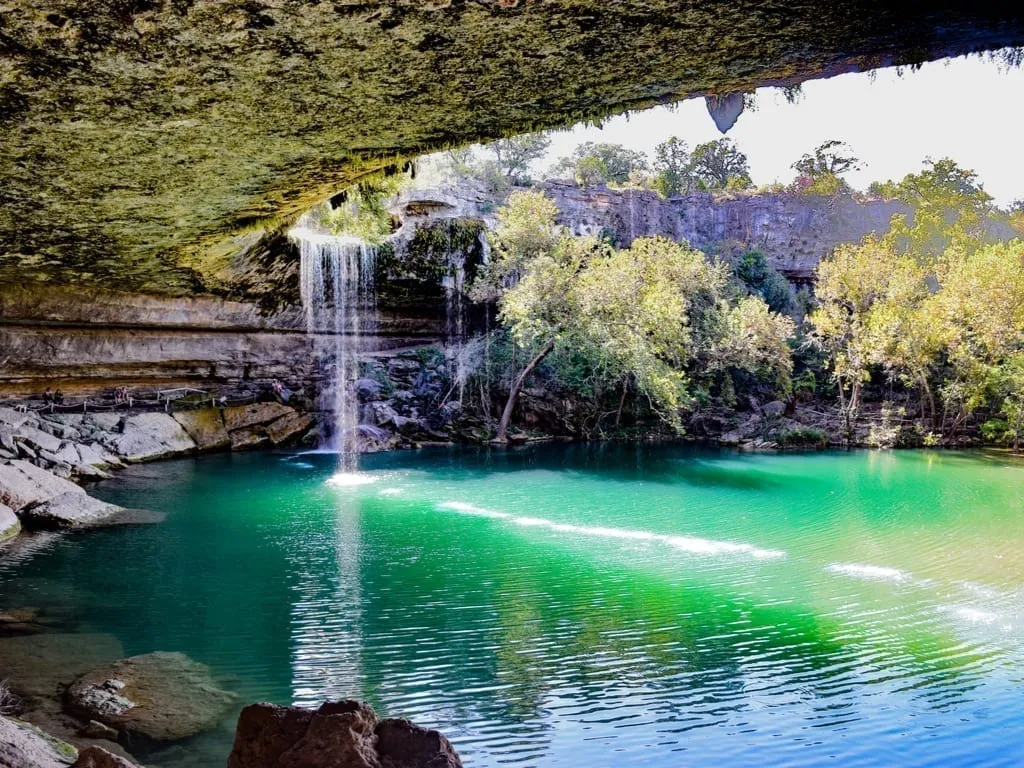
x=94, y=729
x=343, y=733
x=22, y=483
x=243, y=416
x=161, y=696
x=245, y=439
x=289, y=427
x=206, y=427
x=368, y=389
x=69, y=510
x=25, y=746
x=97, y=757
x=401, y=365
x=10, y=526
x=148, y=436
x=725, y=109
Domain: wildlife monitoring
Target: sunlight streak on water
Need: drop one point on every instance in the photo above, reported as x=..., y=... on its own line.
x=690, y=544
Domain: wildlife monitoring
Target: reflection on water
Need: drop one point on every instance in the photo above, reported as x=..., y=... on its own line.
x=584, y=605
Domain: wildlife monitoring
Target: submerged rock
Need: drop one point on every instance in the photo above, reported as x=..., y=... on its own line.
x=25, y=746
x=161, y=696
x=36, y=666
x=343, y=733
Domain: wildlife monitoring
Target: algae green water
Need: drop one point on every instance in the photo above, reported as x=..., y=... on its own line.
x=613, y=605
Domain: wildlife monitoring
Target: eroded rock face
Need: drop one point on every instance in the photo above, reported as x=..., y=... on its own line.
x=161, y=696
x=343, y=733
x=97, y=757
x=142, y=139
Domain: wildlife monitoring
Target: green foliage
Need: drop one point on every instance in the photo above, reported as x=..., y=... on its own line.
x=594, y=163
x=821, y=185
x=719, y=165
x=649, y=318
x=950, y=208
x=672, y=168
x=830, y=158
x=513, y=157
x=801, y=437
x=362, y=211
x=762, y=280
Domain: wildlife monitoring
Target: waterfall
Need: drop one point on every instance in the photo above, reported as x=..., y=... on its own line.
x=454, y=284
x=337, y=287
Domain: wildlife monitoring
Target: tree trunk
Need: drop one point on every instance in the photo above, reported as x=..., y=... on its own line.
x=622, y=402
x=513, y=394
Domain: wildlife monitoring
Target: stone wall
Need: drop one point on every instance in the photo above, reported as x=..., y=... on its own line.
x=85, y=341
x=794, y=231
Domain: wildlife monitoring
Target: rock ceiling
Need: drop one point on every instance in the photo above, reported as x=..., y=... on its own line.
x=146, y=143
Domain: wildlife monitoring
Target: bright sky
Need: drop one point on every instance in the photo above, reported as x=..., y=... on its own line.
x=970, y=109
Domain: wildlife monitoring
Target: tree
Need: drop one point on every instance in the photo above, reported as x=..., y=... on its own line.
x=515, y=155
x=720, y=165
x=672, y=166
x=596, y=163
x=760, y=279
x=980, y=313
x=849, y=285
x=950, y=207
x=832, y=158
x=756, y=340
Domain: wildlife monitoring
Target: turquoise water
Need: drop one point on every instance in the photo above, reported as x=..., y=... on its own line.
x=556, y=605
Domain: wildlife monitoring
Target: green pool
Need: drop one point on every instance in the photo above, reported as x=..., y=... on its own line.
x=576, y=605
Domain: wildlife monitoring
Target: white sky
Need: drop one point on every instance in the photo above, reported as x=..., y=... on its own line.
x=970, y=109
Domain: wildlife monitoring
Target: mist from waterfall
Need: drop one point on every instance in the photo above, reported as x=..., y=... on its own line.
x=336, y=280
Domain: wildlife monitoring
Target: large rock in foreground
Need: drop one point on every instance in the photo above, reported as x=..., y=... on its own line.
x=161, y=696
x=22, y=484
x=77, y=510
x=25, y=746
x=343, y=734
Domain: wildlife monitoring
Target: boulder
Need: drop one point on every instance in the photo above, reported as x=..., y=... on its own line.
x=25, y=746
x=368, y=389
x=289, y=427
x=22, y=483
x=10, y=526
x=97, y=757
x=774, y=408
x=242, y=416
x=160, y=696
x=20, y=621
x=78, y=510
x=243, y=439
x=106, y=421
x=14, y=419
x=343, y=733
x=148, y=436
x=206, y=427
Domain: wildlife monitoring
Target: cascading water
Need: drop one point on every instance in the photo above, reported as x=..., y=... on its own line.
x=454, y=284
x=336, y=278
